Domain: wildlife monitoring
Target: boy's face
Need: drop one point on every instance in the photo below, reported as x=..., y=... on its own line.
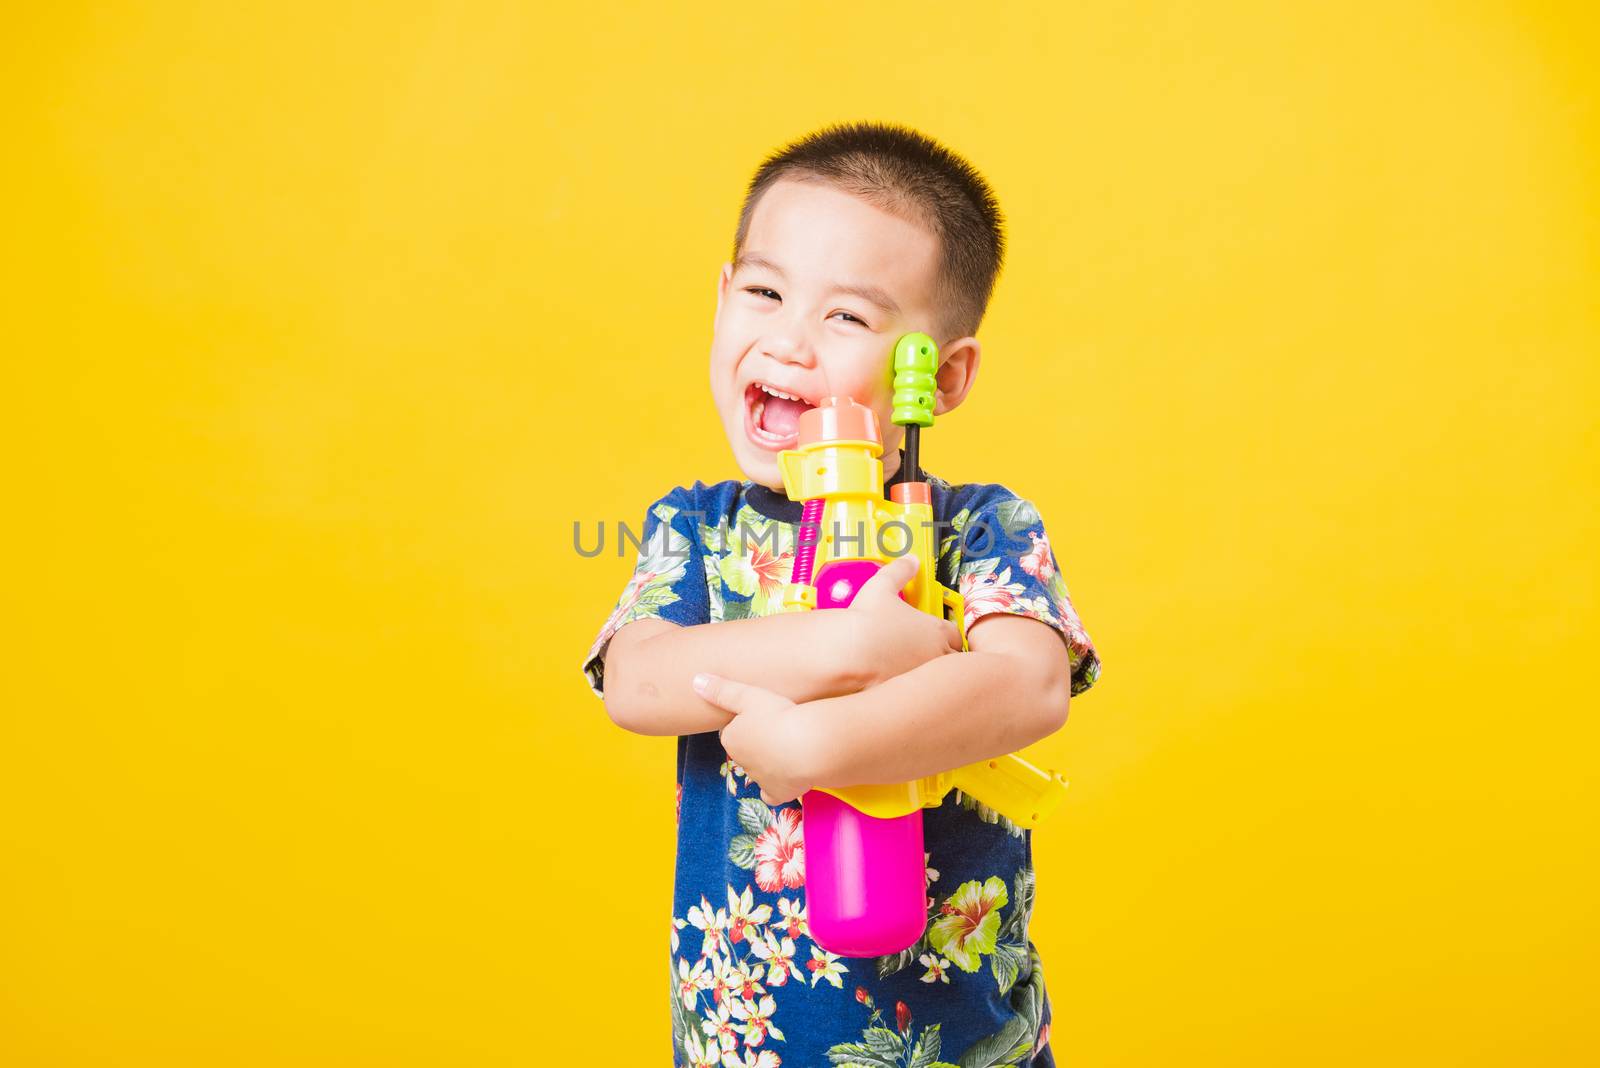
x=825, y=286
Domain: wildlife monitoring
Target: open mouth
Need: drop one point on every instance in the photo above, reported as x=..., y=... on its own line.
x=772, y=417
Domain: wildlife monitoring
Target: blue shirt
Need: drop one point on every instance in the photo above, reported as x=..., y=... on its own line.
x=749, y=986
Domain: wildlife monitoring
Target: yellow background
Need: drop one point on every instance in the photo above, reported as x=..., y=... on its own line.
x=323, y=325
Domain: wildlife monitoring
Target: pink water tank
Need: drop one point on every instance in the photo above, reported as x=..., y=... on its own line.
x=865, y=877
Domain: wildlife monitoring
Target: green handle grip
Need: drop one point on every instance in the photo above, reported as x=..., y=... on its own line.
x=916, y=358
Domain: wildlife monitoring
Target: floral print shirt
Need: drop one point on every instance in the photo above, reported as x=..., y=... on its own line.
x=749, y=988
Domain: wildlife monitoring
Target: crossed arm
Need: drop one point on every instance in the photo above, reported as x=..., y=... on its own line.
x=882, y=693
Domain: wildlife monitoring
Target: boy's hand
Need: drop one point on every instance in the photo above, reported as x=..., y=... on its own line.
x=890, y=637
x=767, y=736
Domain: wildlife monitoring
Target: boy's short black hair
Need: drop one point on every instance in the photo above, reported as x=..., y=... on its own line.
x=911, y=175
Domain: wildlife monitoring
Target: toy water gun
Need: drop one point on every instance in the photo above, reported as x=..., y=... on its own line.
x=865, y=869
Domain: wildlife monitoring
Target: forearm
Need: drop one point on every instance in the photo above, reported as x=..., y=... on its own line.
x=801, y=655
x=949, y=712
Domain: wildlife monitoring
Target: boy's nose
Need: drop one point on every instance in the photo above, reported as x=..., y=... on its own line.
x=789, y=346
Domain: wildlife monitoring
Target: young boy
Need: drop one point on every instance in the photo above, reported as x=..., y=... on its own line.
x=848, y=239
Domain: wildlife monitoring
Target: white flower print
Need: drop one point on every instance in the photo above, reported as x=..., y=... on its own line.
x=825, y=965
x=936, y=966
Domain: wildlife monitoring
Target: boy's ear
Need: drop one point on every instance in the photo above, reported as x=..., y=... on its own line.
x=958, y=371
x=722, y=284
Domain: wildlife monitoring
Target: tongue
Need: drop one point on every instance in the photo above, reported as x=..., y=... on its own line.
x=780, y=416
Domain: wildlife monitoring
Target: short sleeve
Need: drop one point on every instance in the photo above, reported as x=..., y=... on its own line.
x=668, y=581
x=1007, y=565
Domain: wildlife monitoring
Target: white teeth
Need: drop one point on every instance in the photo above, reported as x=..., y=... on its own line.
x=779, y=393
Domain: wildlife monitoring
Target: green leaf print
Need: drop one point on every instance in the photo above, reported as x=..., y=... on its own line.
x=652, y=599
x=663, y=559
x=1032, y=1001
x=714, y=595
x=890, y=963
x=1013, y=1043
x=894, y=962
x=1007, y=963
x=855, y=1055
x=742, y=851
x=754, y=815
x=926, y=1050
x=988, y=815
x=1005, y=1047
x=1016, y=516
x=884, y=1041
x=1015, y=927
x=683, y=1019
x=882, y=1047
x=665, y=546
x=949, y=543
x=714, y=539
x=1058, y=588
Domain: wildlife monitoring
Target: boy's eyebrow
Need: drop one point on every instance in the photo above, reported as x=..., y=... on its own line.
x=755, y=259
x=871, y=294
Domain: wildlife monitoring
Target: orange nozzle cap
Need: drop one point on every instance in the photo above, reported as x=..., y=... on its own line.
x=910, y=493
x=839, y=419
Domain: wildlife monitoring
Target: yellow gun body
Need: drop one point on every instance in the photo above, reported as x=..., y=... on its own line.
x=859, y=523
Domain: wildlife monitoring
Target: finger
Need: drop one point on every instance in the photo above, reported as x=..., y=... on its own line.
x=737, y=697
x=887, y=581
x=952, y=635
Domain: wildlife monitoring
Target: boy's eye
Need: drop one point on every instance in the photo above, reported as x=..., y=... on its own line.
x=852, y=318
x=762, y=291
